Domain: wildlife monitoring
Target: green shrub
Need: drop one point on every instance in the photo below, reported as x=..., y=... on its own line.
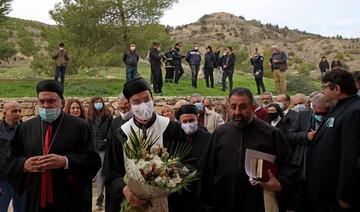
x=301, y=84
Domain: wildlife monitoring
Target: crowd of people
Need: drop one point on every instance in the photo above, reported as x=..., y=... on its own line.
x=48, y=163
x=217, y=67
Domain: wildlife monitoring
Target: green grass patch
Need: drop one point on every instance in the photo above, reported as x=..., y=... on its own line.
x=20, y=81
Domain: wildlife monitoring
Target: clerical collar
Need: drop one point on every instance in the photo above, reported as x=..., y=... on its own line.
x=148, y=124
x=275, y=121
x=286, y=111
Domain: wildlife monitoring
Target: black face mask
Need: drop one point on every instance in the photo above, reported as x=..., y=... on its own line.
x=272, y=116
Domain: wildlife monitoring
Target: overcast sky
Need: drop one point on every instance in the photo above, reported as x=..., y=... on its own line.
x=325, y=17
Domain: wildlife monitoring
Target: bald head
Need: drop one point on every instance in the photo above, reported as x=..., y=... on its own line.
x=12, y=113
x=180, y=103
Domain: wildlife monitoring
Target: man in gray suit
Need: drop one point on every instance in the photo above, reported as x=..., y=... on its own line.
x=301, y=134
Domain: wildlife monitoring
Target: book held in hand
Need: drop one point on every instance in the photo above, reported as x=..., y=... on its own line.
x=258, y=163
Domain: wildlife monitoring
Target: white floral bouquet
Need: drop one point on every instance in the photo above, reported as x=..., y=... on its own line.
x=154, y=172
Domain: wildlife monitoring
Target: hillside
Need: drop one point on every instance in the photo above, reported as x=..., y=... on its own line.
x=304, y=49
x=217, y=29
x=28, y=37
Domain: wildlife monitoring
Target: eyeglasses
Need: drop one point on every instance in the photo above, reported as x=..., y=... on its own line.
x=323, y=87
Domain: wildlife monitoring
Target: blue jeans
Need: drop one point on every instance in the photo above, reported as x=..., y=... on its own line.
x=9, y=193
x=131, y=73
x=194, y=74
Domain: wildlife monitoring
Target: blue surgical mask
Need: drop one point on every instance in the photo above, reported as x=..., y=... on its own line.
x=319, y=118
x=299, y=107
x=98, y=106
x=190, y=128
x=199, y=106
x=358, y=93
x=49, y=115
x=281, y=105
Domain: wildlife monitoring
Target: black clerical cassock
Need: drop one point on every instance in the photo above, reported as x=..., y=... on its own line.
x=225, y=185
x=65, y=189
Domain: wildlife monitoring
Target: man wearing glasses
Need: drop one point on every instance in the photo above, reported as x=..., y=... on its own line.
x=333, y=169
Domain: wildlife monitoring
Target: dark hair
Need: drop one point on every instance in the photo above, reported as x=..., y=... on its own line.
x=61, y=44
x=323, y=57
x=356, y=75
x=210, y=48
x=92, y=113
x=278, y=109
x=69, y=103
x=343, y=79
x=155, y=43
x=229, y=47
x=242, y=92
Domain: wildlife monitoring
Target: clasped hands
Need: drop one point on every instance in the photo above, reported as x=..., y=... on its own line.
x=42, y=163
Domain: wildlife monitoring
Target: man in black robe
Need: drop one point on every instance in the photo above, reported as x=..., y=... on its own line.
x=52, y=156
x=139, y=95
x=198, y=137
x=225, y=185
x=333, y=173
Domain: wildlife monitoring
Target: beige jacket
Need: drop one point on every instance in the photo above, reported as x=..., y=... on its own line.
x=60, y=57
x=212, y=120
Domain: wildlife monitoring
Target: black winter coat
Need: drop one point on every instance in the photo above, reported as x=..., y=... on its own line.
x=333, y=169
x=100, y=129
x=210, y=60
x=324, y=66
x=130, y=58
x=155, y=59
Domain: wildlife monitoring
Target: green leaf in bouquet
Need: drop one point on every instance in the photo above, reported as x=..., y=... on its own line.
x=180, y=150
x=134, y=146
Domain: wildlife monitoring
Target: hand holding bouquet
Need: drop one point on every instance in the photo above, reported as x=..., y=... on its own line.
x=153, y=172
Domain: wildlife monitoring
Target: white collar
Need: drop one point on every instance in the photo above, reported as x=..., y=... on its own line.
x=275, y=121
x=286, y=111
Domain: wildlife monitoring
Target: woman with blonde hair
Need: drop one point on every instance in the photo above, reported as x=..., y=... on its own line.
x=168, y=112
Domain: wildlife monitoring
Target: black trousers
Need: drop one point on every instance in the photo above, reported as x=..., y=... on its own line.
x=209, y=74
x=194, y=74
x=227, y=74
x=179, y=71
x=60, y=72
x=260, y=84
x=169, y=74
x=157, y=79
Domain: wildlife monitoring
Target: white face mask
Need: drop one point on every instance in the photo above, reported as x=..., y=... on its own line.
x=132, y=48
x=299, y=107
x=126, y=116
x=190, y=128
x=143, y=111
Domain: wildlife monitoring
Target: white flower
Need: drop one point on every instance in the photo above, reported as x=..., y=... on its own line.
x=177, y=180
x=155, y=149
x=141, y=164
x=158, y=162
x=160, y=181
x=171, y=183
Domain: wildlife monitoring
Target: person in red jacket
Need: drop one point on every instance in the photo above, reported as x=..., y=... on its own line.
x=260, y=112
